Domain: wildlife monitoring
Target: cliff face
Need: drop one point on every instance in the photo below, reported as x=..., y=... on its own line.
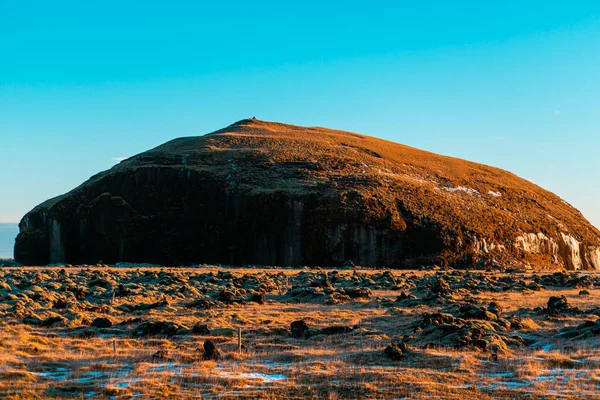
x=274, y=194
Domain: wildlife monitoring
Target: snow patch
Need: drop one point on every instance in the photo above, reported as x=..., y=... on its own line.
x=457, y=189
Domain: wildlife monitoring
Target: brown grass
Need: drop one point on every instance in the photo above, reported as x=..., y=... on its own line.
x=53, y=363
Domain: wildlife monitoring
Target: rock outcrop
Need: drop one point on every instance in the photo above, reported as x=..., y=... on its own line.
x=274, y=194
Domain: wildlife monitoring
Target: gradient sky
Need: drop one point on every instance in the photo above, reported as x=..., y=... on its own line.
x=515, y=85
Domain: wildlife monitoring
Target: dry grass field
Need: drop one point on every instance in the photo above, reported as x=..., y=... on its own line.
x=121, y=333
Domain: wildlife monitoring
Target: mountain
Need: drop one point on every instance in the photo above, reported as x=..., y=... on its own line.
x=8, y=232
x=269, y=193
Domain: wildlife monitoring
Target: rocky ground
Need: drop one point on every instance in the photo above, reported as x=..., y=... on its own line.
x=150, y=332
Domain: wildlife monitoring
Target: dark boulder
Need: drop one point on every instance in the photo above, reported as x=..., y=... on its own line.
x=437, y=319
x=53, y=321
x=159, y=328
x=440, y=288
x=558, y=306
x=257, y=298
x=211, y=352
x=201, y=329
x=495, y=309
x=227, y=297
x=558, y=303
x=299, y=329
x=394, y=351
x=405, y=296
x=335, y=330
x=357, y=292
x=469, y=311
x=584, y=331
x=200, y=304
x=101, y=322
x=60, y=304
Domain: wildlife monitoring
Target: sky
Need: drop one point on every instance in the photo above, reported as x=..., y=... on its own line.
x=511, y=84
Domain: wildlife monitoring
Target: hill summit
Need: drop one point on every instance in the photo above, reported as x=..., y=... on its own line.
x=269, y=193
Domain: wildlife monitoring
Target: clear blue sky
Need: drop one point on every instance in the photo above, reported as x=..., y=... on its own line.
x=515, y=84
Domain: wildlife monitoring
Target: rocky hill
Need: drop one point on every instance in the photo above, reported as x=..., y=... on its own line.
x=268, y=193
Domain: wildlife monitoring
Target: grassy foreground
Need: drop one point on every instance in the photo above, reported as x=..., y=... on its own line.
x=101, y=332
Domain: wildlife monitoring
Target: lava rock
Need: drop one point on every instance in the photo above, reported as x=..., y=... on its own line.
x=54, y=321
x=357, y=292
x=211, y=352
x=257, y=298
x=469, y=311
x=440, y=288
x=101, y=322
x=299, y=329
x=335, y=330
x=201, y=329
x=160, y=328
x=404, y=296
x=558, y=306
x=394, y=352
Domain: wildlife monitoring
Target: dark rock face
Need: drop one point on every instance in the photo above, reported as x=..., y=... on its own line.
x=184, y=223
x=273, y=194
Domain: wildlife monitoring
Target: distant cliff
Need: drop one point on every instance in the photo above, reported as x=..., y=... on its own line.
x=8, y=233
x=274, y=194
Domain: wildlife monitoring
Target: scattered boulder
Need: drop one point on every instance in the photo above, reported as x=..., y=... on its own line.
x=201, y=329
x=444, y=330
x=227, y=297
x=583, y=331
x=558, y=303
x=211, y=352
x=404, y=296
x=356, y=292
x=336, y=298
x=440, y=288
x=299, y=329
x=335, y=330
x=60, y=304
x=257, y=298
x=200, y=304
x=567, y=280
x=160, y=328
x=56, y=320
x=160, y=355
x=394, y=351
x=101, y=322
x=495, y=309
x=559, y=306
x=436, y=319
x=469, y=311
